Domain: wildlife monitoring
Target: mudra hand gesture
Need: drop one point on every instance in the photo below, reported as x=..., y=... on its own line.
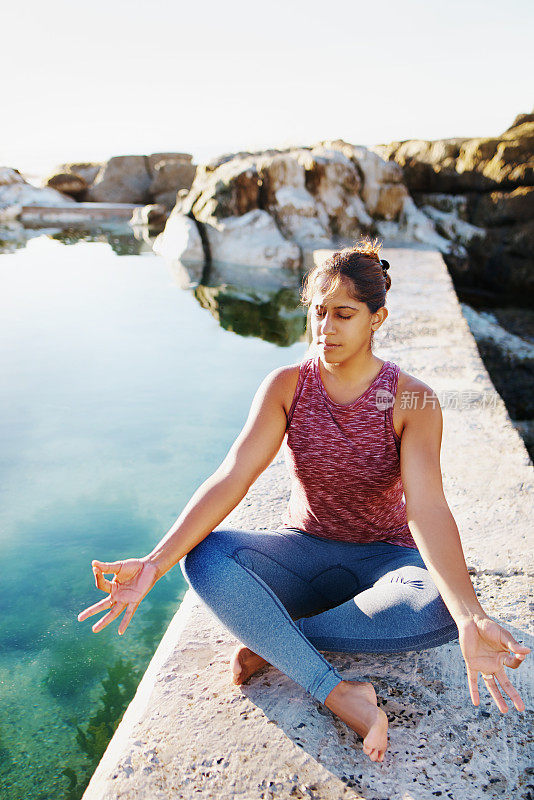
x=488, y=648
x=132, y=580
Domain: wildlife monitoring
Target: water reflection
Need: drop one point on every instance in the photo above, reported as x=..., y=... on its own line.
x=250, y=301
x=119, y=236
x=14, y=236
x=275, y=318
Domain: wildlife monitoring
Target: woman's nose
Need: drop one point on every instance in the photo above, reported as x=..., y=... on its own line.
x=327, y=324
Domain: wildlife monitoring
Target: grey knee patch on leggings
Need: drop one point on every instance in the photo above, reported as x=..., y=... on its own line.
x=414, y=583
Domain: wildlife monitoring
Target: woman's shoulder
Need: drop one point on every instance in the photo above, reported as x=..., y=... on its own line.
x=284, y=381
x=410, y=383
x=414, y=394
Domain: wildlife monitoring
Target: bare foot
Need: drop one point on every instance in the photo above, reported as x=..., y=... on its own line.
x=244, y=663
x=355, y=703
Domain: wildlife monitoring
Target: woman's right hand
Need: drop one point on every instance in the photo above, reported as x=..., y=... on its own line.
x=132, y=580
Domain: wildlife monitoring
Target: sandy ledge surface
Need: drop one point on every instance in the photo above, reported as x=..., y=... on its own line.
x=189, y=732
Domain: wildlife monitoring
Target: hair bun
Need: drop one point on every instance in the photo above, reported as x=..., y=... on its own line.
x=384, y=264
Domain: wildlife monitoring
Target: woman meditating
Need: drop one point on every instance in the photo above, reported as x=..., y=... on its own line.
x=368, y=558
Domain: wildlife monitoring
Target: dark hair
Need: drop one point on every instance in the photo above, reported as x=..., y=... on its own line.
x=369, y=279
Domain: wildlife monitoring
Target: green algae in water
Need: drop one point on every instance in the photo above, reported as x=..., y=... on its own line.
x=5, y=755
x=118, y=689
x=73, y=790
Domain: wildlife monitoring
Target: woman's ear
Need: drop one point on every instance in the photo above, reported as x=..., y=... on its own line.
x=379, y=317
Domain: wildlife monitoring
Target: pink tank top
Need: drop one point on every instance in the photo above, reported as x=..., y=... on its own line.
x=344, y=462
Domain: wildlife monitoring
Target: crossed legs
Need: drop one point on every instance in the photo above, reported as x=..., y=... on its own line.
x=286, y=595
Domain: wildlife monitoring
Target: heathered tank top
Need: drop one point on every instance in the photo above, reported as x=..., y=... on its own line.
x=344, y=462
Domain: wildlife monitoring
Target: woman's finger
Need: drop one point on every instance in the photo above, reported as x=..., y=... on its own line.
x=101, y=582
x=108, y=566
x=509, y=642
x=473, y=686
x=514, y=661
x=114, y=612
x=94, y=609
x=510, y=690
x=130, y=611
x=493, y=689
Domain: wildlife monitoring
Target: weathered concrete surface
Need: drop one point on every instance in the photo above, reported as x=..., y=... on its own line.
x=77, y=212
x=190, y=732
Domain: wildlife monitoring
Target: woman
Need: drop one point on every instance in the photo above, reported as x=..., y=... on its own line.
x=368, y=558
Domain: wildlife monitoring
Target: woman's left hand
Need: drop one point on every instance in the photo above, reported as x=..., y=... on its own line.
x=488, y=648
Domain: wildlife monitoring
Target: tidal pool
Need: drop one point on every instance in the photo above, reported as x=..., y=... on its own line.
x=120, y=393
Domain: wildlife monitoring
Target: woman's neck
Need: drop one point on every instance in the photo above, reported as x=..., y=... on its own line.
x=358, y=370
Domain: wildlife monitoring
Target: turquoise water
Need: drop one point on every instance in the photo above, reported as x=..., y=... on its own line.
x=120, y=393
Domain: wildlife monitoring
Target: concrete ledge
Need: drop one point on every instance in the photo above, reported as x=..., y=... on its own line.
x=77, y=212
x=190, y=732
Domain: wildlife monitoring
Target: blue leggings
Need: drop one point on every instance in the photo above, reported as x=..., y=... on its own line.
x=287, y=594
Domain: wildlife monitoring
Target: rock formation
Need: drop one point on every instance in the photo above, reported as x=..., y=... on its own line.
x=480, y=195
x=471, y=199
x=16, y=192
x=251, y=239
x=68, y=183
x=87, y=170
x=170, y=175
x=155, y=178
x=122, y=179
x=301, y=198
x=143, y=179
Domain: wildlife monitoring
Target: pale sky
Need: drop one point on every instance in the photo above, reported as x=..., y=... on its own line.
x=87, y=80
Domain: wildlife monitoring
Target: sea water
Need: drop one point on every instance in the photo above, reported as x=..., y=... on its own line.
x=120, y=392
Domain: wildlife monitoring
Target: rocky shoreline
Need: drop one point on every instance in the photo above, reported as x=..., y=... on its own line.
x=470, y=199
x=467, y=186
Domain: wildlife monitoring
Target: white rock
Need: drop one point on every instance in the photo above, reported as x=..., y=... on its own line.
x=336, y=189
x=301, y=217
x=451, y=226
x=15, y=192
x=252, y=239
x=484, y=325
x=376, y=172
x=296, y=198
x=24, y=194
x=356, y=211
x=180, y=240
x=332, y=154
x=414, y=225
x=10, y=213
x=285, y=169
x=9, y=176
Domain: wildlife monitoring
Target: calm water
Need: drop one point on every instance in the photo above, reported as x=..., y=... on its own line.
x=120, y=393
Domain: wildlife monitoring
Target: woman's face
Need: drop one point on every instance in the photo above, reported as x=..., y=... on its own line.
x=341, y=326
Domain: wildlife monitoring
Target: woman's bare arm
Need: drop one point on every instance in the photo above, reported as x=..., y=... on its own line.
x=251, y=453
x=249, y=456
x=429, y=517
x=486, y=646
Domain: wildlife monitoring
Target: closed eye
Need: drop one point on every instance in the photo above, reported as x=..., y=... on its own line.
x=320, y=313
